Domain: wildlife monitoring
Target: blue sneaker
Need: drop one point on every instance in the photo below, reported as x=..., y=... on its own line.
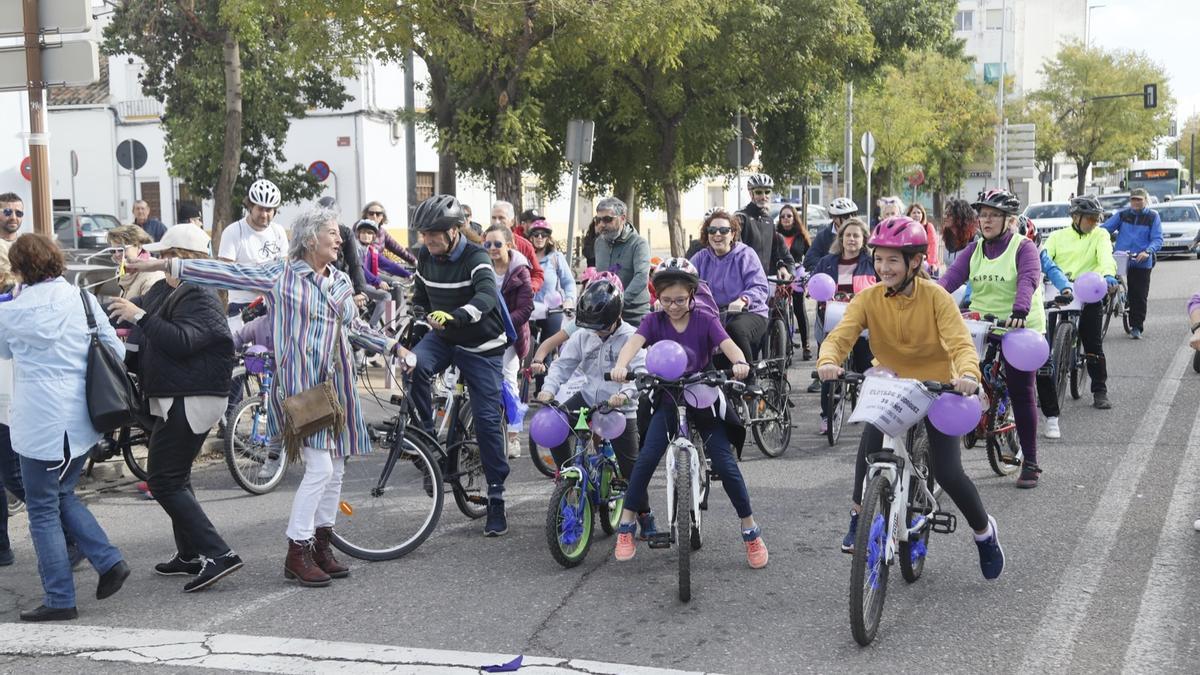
x=497, y=523
x=646, y=526
x=848, y=540
x=991, y=556
x=1136, y=333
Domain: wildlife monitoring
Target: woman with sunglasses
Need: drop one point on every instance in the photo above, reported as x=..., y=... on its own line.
x=736, y=278
x=795, y=235
x=512, y=276
x=375, y=213
x=559, y=283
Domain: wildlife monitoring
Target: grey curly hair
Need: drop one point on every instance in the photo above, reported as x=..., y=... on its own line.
x=305, y=228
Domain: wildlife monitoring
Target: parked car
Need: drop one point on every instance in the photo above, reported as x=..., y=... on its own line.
x=90, y=228
x=1180, y=225
x=817, y=218
x=1049, y=216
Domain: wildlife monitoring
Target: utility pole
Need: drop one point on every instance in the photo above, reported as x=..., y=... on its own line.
x=1000, y=98
x=410, y=144
x=849, y=163
x=39, y=159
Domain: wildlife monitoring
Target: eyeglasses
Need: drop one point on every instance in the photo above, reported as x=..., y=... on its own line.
x=605, y=219
x=993, y=215
x=375, y=213
x=493, y=244
x=759, y=193
x=672, y=302
x=720, y=230
x=8, y=213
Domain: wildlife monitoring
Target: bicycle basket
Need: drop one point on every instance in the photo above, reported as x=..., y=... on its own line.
x=892, y=405
x=256, y=361
x=1122, y=260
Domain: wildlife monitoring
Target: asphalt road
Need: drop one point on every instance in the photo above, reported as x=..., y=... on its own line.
x=1101, y=558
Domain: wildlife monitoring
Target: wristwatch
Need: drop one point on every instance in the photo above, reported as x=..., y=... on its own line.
x=137, y=318
x=1195, y=326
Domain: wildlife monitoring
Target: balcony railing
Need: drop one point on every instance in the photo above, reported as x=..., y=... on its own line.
x=141, y=109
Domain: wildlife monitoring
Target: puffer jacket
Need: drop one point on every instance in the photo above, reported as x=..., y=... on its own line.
x=758, y=232
x=187, y=349
x=517, y=291
x=588, y=353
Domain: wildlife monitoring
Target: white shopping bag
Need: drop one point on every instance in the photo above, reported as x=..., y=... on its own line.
x=1049, y=292
x=979, y=332
x=539, y=311
x=892, y=405
x=1122, y=260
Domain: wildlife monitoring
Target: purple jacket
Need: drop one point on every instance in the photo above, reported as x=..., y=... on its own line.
x=1029, y=266
x=1193, y=303
x=384, y=240
x=257, y=332
x=517, y=289
x=733, y=275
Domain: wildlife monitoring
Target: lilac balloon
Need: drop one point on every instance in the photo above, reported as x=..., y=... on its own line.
x=881, y=371
x=955, y=415
x=666, y=359
x=608, y=425
x=821, y=287
x=549, y=428
x=554, y=299
x=1025, y=349
x=1090, y=287
x=699, y=395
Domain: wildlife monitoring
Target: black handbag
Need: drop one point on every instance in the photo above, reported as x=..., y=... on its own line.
x=111, y=400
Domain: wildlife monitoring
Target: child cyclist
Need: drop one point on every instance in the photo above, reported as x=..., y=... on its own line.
x=699, y=332
x=915, y=330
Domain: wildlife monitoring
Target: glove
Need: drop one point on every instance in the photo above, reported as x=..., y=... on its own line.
x=1112, y=281
x=440, y=318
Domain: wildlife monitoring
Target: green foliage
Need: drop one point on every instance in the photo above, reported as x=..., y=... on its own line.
x=964, y=121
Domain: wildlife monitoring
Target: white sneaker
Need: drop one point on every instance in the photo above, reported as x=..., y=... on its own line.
x=268, y=469
x=514, y=447
x=1050, y=428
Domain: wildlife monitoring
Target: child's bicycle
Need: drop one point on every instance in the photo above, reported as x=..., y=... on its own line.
x=590, y=482
x=255, y=459
x=997, y=427
x=899, y=505
x=687, y=471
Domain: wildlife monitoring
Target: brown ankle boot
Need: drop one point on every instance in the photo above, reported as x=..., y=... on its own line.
x=323, y=555
x=300, y=566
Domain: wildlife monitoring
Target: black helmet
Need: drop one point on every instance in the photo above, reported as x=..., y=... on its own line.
x=1086, y=205
x=439, y=213
x=1001, y=200
x=600, y=305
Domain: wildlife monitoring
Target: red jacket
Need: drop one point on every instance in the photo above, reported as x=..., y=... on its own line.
x=535, y=270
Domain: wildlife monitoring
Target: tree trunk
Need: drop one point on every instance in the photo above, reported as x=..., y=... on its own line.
x=939, y=205
x=1081, y=179
x=507, y=180
x=443, y=117
x=447, y=173
x=674, y=217
x=231, y=152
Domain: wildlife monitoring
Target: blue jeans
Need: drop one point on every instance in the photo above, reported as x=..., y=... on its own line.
x=482, y=375
x=52, y=505
x=663, y=428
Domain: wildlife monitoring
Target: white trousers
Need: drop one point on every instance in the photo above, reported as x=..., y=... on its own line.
x=511, y=364
x=317, y=497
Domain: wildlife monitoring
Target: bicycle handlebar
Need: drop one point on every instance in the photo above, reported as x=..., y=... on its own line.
x=933, y=386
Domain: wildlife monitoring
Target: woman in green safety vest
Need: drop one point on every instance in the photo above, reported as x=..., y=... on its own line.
x=1006, y=281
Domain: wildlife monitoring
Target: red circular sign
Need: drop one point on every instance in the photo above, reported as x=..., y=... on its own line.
x=27, y=168
x=319, y=169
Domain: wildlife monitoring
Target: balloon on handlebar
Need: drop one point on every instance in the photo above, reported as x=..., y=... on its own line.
x=554, y=300
x=549, y=427
x=1025, y=349
x=608, y=425
x=881, y=371
x=700, y=395
x=1090, y=287
x=821, y=287
x=955, y=415
x=666, y=359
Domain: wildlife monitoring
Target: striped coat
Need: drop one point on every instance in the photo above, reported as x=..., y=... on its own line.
x=305, y=307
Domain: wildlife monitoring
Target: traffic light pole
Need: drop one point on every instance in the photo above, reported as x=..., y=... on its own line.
x=39, y=159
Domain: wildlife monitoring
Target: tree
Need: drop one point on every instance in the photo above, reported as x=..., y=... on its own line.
x=1190, y=129
x=1107, y=130
x=902, y=125
x=231, y=75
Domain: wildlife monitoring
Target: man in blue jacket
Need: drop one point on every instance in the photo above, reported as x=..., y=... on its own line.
x=1139, y=232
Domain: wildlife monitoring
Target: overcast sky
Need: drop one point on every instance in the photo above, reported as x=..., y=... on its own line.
x=1165, y=30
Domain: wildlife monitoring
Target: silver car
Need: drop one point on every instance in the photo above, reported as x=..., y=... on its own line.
x=1180, y=223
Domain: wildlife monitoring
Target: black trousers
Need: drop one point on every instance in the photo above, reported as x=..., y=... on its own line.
x=173, y=448
x=1047, y=392
x=625, y=446
x=1091, y=322
x=801, y=317
x=1138, y=280
x=747, y=331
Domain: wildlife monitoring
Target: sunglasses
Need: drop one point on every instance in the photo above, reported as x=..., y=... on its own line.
x=375, y=213
x=671, y=302
x=493, y=244
x=535, y=235
x=11, y=212
x=759, y=193
x=720, y=230
x=605, y=219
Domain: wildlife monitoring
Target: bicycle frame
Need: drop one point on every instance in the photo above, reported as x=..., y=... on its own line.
x=683, y=442
x=897, y=468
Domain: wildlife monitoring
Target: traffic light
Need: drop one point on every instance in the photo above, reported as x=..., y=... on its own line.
x=1149, y=96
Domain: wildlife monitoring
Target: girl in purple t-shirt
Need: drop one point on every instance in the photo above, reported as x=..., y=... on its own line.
x=699, y=332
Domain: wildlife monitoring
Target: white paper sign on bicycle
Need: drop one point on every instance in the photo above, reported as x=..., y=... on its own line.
x=892, y=405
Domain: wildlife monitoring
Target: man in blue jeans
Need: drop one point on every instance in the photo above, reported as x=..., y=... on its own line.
x=456, y=283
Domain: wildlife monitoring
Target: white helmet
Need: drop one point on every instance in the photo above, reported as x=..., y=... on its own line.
x=843, y=207
x=759, y=180
x=264, y=193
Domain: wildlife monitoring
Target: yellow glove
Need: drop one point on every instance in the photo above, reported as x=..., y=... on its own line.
x=440, y=318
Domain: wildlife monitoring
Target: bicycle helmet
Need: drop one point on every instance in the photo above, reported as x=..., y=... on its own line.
x=600, y=305
x=674, y=270
x=366, y=224
x=439, y=213
x=1086, y=205
x=539, y=224
x=899, y=232
x=1026, y=228
x=843, y=207
x=1001, y=200
x=264, y=193
x=759, y=180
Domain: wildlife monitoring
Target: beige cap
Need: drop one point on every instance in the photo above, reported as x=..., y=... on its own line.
x=1139, y=192
x=187, y=237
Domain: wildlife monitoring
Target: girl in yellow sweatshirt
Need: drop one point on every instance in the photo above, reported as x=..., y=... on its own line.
x=915, y=330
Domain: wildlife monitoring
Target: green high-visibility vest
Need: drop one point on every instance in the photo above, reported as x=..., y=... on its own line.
x=994, y=286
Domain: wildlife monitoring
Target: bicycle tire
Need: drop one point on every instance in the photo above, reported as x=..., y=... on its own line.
x=464, y=466
x=389, y=522
x=569, y=522
x=705, y=469
x=245, y=454
x=1061, y=354
x=1078, y=370
x=1196, y=362
x=1109, y=308
x=778, y=344
x=1125, y=313
x=543, y=460
x=773, y=432
x=138, y=462
x=833, y=425
x=869, y=569
x=996, y=441
x=683, y=522
x=610, y=507
x=913, y=553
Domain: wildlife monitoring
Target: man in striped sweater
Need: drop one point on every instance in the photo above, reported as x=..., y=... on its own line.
x=455, y=282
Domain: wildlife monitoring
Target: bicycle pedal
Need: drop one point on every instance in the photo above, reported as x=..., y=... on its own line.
x=618, y=485
x=477, y=499
x=659, y=540
x=1011, y=460
x=943, y=522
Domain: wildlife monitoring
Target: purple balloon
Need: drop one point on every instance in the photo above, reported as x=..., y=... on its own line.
x=608, y=425
x=1090, y=287
x=666, y=359
x=881, y=371
x=955, y=415
x=1025, y=349
x=549, y=428
x=821, y=287
x=554, y=300
x=699, y=395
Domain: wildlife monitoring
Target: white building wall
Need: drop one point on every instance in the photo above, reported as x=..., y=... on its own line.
x=13, y=150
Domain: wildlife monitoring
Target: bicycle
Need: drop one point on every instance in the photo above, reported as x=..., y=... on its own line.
x=590, y=482
x=1061, y=346
x=254, y=457
x=131, y=442
x=781, y=321
x=997, y=426
x=767, y=408
x=1116, y=304
x=843, y=395
x=899, y=488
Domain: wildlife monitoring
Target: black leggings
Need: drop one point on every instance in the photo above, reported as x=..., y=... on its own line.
x=860, y=361
x=946, y=463
x=801, y=313
x=747, y=331
x=1091, y=323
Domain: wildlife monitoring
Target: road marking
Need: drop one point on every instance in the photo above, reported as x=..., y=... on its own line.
x=251, y=653
x=1155, y=633
x=1052, y=646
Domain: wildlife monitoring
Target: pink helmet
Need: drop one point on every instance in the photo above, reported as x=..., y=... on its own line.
x=899, y=232
x=592, y=274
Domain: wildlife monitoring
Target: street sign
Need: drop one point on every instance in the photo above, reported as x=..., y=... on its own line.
x=580, y=136
x=917, y=179
x=868, y=143
x=74, y=164
x=1020, y=146
x=868, y=162
x=70, y=64
x=731, y=153
x=131, y=155
x=54, y=16
x=1150, y=96
x=27, y=168
x=319, y=170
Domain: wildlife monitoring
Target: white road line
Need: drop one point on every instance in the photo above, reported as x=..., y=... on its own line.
x=1052, y=646
x=1156, y=631
x=250, y=653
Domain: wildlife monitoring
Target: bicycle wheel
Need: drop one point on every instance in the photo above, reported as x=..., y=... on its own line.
x=464, y=471
x=1110, y=308
x=610, y=505
x=778, y=343
x=772, y=429
x=135, y=449
x=912, y=553
x=248, y=449
x=683, y=522
x=1196, y=362
x=1004, y=443
x=543, y=459
x=391, y=501
x=569, y=523
x=837, y=411
x=705, y=469
x=869, y=569
x=1061, y=355
x=1078, y=370
x=1123, y=302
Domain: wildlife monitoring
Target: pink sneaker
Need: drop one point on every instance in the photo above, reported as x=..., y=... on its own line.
x=626, y=543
